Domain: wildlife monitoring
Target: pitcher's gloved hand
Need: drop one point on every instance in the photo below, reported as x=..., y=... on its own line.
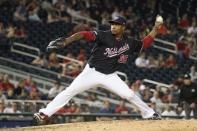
x=56, y=44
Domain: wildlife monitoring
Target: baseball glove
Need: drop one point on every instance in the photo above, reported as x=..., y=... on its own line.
x=56, y=44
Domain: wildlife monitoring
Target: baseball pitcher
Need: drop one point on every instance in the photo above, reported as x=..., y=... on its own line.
x=111, y=51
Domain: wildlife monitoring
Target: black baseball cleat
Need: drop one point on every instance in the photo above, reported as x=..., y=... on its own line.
x=40, y=118
x=155, y=116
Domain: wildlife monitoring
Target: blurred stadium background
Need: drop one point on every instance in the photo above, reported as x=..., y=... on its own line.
x=30, y=77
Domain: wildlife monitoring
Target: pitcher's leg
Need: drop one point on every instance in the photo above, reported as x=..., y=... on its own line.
x=60, y=100
x=83, y=82
x=116, y=85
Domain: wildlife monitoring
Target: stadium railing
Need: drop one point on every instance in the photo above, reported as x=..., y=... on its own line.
x=157, y=84
x=77, y=18
x=28, y=48
x=35, y=52
x=169, y=47
x=77, y=100
x=17, y=75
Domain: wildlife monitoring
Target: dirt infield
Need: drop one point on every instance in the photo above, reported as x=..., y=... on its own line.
x=121, y=125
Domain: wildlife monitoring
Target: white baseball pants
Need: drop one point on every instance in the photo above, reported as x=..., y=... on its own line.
x=90, y=78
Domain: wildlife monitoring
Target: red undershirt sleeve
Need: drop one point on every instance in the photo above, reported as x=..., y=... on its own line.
x=88, y=35
x=147, y=41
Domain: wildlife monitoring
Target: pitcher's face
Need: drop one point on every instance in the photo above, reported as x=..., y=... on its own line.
x=117, y=29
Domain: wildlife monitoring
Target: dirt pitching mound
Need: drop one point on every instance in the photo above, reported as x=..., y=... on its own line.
x=118, y=125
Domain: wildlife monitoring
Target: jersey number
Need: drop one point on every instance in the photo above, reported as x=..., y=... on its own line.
x=123, y=58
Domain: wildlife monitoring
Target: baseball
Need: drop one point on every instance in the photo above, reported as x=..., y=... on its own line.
x=159, y=19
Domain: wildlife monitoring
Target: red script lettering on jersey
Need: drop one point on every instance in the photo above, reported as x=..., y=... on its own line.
x=111, y=52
